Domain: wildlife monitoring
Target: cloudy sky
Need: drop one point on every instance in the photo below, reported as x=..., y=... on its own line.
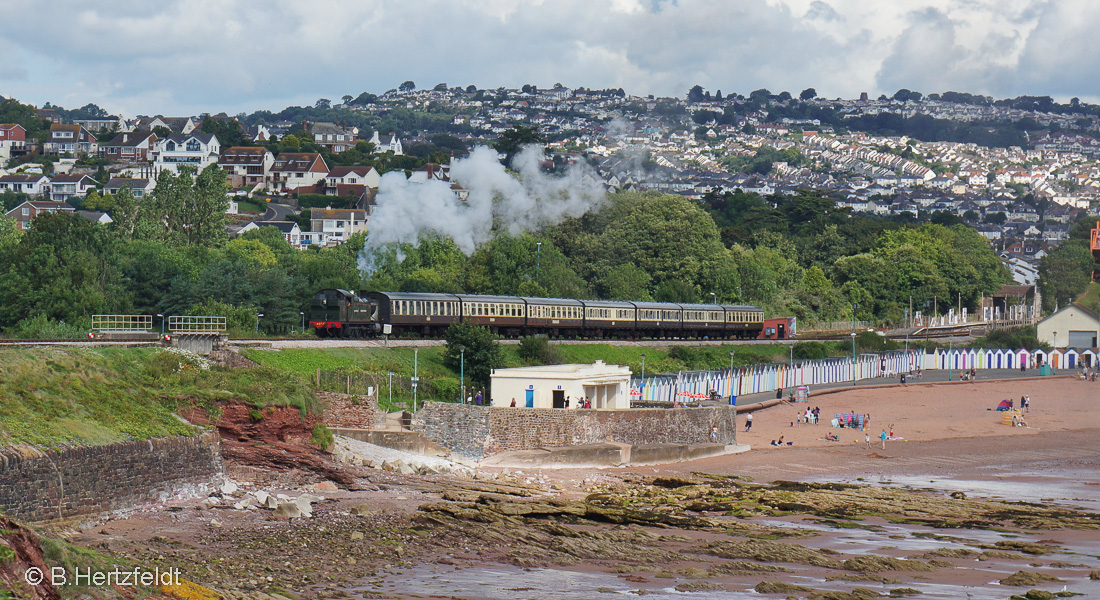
x=188, y=57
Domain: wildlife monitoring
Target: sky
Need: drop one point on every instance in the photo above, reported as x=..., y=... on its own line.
x=184, y=58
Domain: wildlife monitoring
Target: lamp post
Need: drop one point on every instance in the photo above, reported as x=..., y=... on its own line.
x=641, y=386
x=1054, y=343
x=731, y=384
x=258, y=315
x=790, y=367
x=855, y=307
x=416, y=379
x=462, y=372
x=713, y=298
x=538, y=262
x=389, y=385
x=161, y=324
x=949, y=361
x=303, y=315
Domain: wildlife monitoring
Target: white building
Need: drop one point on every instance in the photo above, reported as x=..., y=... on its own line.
x=1071, y=327
x=198, y=150
x=606, y=386
x=337, y=224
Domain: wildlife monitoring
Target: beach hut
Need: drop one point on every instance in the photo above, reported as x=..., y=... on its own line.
x=1070, y=358
x=1040, y=357
x=1088, y=357
x=1023, y=357
x=1003, y=359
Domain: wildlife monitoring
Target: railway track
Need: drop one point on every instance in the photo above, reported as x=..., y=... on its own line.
x=292, y=342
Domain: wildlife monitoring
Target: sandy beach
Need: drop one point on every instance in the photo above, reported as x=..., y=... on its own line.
x=401, y=547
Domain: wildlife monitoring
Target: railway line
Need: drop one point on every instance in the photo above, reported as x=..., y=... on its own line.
x=300, y=342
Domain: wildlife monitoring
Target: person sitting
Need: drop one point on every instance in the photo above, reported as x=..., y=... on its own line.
x=832, y=437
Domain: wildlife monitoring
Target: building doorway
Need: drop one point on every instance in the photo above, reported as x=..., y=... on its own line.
x=559, y=398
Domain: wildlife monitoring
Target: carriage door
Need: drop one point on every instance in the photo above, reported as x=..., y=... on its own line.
x=530, y=398
x=782, y=331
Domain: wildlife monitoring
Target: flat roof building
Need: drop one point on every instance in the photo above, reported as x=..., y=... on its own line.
x=605, y=386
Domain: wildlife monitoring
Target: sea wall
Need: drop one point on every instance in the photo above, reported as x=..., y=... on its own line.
x=37, y=485
x=348, y=411
x=479, y=431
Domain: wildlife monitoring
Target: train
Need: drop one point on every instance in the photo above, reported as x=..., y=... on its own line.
x=347, y=314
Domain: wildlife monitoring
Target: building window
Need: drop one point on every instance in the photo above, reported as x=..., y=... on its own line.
x=26, y=210
x=192, y=145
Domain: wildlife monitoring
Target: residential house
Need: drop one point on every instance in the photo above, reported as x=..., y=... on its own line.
x=182, y=125
x=100, y=124
x=27, y=211
x=336, y=138
x=139, y=188
x=13, y=141
x=430, y=171
x=350, y=176
x=133, y=146
x=293, y=170
x=63, y=187
x=393, y=146
x=246, y=166
x=33, y=184
x=259, y=133
x=48, y=114
x=289, y=229
x=338, y=223
x=198, y=150
x=96, y=216
x=70, y=139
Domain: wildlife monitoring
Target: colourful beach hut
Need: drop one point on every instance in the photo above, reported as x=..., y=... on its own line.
x=1070, y=358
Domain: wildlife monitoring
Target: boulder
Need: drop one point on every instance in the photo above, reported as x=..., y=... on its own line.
x=228, y=488
x=362, y=510
x=288, y=509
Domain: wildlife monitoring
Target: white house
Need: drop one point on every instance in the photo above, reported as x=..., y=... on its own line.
x=63, y=187
x=338, y=224
x=139, y=188
x=548, y=386
x=293, y=170
x=198, y=150
x=33, y=184
x=290, y=230
x=27, y=211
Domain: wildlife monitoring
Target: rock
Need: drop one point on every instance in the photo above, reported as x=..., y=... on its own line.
x=211, y=501
x=215, y=524
x=305, y=507
x=356, y=535
x=266, y=500
x=288, y=509
x=323, y=486
x=362, y=510
x=1025, y=578
x=228, y=488
x=245, y=504
x=779, y=587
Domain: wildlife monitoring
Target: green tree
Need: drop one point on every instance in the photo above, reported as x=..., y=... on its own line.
x=1065, y=273
x=482, y=353
x=626, y=282
x=408, y=86
x=512, y=141
x=229, y=132
x=808, y=94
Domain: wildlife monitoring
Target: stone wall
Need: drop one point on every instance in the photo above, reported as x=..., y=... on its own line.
x=45, y=485
x=460, y=428
x=346, y=411
x=477, y=431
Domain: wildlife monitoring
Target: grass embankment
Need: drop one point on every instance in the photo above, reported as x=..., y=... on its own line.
x=54, y=396
x=439, y=382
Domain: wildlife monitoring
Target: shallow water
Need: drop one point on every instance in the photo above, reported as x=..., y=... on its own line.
x=1066, y=488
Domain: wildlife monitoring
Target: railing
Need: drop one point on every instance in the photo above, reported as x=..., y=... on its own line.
x=834, y=326
x=123, y=323
x=196, y=324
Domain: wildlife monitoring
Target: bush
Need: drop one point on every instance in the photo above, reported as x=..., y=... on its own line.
x=536, y=350
x=1020, y=337
x=810, y=350
x=40, y=327
x=322, y=200
x=322, y=436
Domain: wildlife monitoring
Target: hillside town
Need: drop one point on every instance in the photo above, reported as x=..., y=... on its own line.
x=1021, y=197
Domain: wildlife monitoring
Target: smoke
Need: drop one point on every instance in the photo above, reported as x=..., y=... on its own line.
x=405, y=211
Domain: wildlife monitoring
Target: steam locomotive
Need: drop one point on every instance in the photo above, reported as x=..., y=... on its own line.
x=342, y=313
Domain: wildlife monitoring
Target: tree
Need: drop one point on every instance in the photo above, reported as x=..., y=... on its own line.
x=440, y=87
x=323, y=104
x=808, y=94
x=1065, y=273
x=472, y=348
x=695, y=94
x=229, y=132
x=718, y=96
x=408, y=86
x=366, y=98
x=784, y=96
x=471, y=88
x=347, y=98
x=512, y=141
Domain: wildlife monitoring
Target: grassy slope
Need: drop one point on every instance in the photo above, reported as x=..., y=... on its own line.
x=52, y=396
x=1091, y=298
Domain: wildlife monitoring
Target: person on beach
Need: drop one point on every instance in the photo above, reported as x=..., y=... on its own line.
x=748, y=422
x=1026, y=403
x=714, y=434
x=867, y=439
x=882, y=437
x=513, y=404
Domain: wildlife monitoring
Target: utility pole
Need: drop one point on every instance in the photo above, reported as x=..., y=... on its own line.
x=416, y=380
x=641, y=387
x=855, y=307
x=462, y=372
x=538, y=262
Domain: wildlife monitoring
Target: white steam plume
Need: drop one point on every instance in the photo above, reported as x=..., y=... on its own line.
x=405, y=210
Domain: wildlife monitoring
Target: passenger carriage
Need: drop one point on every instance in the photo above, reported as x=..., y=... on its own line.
x=503, y=315
x=608, y=319
x=408, y=312
x=556, y=317
x=659, y=319
x=704, y=320
x=743, y=320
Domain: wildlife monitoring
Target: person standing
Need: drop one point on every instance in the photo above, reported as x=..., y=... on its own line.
x=748, y=422
x=1026, y=404
x=477, y=398
x=867, y=439
x=882, y=436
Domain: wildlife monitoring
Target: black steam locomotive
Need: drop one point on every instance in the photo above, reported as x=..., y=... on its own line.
x=341, y=313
